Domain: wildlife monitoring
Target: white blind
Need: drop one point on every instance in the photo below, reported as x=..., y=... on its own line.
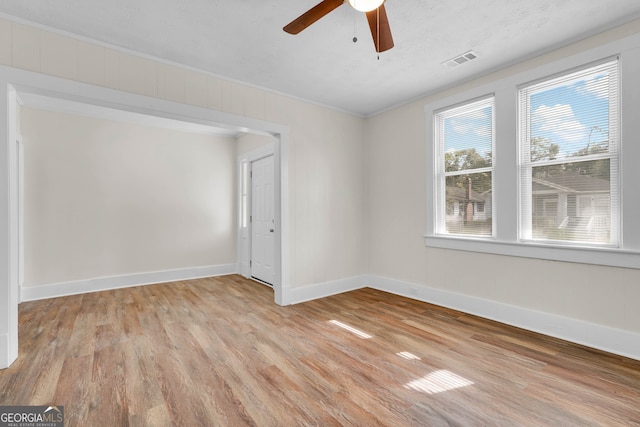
x=465, y=168
x=569, y=157
x=466, y=135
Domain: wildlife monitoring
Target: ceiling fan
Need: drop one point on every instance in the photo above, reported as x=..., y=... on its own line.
x=374, y=9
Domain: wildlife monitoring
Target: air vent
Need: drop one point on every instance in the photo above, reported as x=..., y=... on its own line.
x=461, y=59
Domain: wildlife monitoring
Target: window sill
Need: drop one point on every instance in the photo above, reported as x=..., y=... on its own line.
x=613, y=257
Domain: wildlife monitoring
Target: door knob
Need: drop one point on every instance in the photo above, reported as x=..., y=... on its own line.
x=271, y=230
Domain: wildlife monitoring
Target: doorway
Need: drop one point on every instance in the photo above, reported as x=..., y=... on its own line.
x=260, y=231
x=15, y=84
x=262, y=220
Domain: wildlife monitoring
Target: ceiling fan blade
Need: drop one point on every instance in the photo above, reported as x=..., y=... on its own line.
x=379, y=25
x=312, y=15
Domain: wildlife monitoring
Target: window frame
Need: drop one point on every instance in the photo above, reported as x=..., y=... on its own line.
x=441, y=190
x=506, y=161
x=527, y=165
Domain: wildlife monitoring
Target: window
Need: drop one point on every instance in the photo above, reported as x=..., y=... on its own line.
x=569, y=158
x=562, y=159
x=465, y=169
x=244, y=201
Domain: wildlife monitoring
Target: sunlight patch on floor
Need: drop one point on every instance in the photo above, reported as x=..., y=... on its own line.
x=351, y=329
x=438, y=382
x=407, y=355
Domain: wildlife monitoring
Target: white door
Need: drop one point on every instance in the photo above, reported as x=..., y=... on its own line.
x=262, y=220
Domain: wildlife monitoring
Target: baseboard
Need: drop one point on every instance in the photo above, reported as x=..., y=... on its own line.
x=617, y=341
x=32, y=293
x=321, y=290
x=612, y=340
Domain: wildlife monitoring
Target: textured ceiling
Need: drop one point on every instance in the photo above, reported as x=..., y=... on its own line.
x=243, y=40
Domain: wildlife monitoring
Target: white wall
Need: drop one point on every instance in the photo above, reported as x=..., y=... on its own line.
x=106, y=198
x=326, y=165
x=328, y=203
x=251, y=141
x=396, y=206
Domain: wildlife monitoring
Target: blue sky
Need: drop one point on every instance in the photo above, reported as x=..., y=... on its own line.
x=469, y=130
x=572, y=115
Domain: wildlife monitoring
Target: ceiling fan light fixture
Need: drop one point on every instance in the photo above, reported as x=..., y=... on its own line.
x=365, y=5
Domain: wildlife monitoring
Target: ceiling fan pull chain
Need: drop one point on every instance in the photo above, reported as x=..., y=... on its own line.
x=355, y=39
x=378, y=30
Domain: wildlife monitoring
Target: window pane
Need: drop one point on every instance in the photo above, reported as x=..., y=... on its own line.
x=572, y=202
x=564, y=198
x=570, y=116
x=468, y=201
x=466, y=159
x=465, y=144
x=468, y=137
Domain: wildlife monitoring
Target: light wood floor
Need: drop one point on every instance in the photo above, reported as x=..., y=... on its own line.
x=219, y=352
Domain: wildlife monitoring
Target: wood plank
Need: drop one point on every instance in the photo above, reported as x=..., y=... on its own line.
x=218, y=351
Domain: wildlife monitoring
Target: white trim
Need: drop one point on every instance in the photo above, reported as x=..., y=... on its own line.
x=20, y=212
x=597, y=256
x=58, y=105
x=325, y=289
x=54, y=290
x=283, y=273
x=613, y=340
x=9, y=260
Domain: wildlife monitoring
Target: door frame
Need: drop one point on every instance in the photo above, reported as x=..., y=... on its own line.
x=14, y=82
x=20, y=211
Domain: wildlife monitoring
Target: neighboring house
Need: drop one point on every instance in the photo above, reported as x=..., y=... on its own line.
x=572, y=201
x=468, y=210
x=476, y=206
